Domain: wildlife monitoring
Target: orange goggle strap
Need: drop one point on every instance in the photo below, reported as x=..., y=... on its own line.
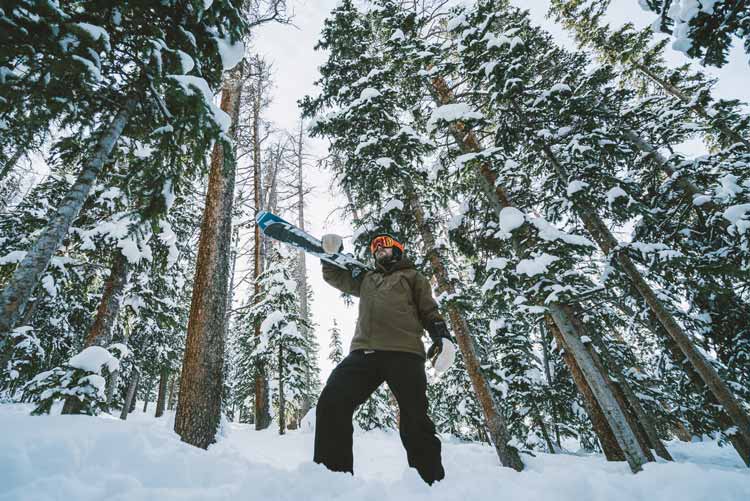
x=384, y=241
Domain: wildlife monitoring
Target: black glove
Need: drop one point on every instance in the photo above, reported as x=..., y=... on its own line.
x=438, y=331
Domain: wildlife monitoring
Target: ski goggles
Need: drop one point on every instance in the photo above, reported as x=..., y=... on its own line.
x=384, y=241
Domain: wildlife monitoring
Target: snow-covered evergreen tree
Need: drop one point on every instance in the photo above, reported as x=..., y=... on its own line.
x=281, y=345
x=336, y=354
x=704, y=29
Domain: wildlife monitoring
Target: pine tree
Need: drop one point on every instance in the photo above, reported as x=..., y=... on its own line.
x=706, y=31
x=199, y=404
x=281, y=346
x=366, y=133
x=105, y=98
x=564, y=138
x=336, y=355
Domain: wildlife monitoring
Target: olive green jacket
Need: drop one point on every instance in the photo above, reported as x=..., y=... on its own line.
x=394, y=306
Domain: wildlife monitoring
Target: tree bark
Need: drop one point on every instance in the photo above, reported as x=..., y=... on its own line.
x=100, y=333
x=607, y=440
x=18, y=290
x=496, y=425
x=262, y=410
x=162, y=398
x=600, y=386
x=201, y=384
x=282, y=398
x=127, y=407
x=149, y=389
x=306, y=403
x=172, y=392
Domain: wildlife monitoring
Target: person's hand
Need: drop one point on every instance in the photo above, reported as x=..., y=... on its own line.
x=438, y=331
x=332, y=243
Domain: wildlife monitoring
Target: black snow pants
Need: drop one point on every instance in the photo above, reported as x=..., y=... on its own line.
x=350, y=384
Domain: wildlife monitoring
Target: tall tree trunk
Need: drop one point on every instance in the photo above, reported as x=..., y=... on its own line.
x=262, y=410
x=172, y=392
x=496, y=425
x=130, y=396
x=161, y=400
x=282, y=398
x=302, y=267
x=147, y=397
x=645, y=421
x=201, y=384
x=563, y=316
x=616, y=416
x=16, y=293
x=609, y=245
x=100, y=333
x=548, y=377
x=603, y=431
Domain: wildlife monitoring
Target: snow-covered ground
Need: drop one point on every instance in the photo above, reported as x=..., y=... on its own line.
x=83, y=458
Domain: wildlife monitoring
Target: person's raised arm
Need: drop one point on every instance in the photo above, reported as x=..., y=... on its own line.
x=335, y=276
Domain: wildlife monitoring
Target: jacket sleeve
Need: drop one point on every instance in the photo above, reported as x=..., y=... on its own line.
x=426, y=305
x=341, y=279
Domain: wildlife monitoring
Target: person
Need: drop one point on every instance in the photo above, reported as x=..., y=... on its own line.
x=395, y=305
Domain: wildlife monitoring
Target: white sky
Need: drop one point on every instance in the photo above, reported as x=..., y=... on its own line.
x=296, y=68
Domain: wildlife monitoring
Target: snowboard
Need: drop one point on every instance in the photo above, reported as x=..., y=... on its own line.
x=283, y=231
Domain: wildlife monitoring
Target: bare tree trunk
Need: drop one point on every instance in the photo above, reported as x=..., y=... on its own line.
x=172, y=393
x=18, y=290
x=548, y=376
x=161, y=400
x=201, y=384
x=147, y=398
x=262, y=410
x=601, y=387
x=130, y=397
x=607, y=440
x=282, y=398
x=301, y=263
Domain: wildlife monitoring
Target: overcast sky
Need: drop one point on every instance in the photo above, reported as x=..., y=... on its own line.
x=296, y=65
